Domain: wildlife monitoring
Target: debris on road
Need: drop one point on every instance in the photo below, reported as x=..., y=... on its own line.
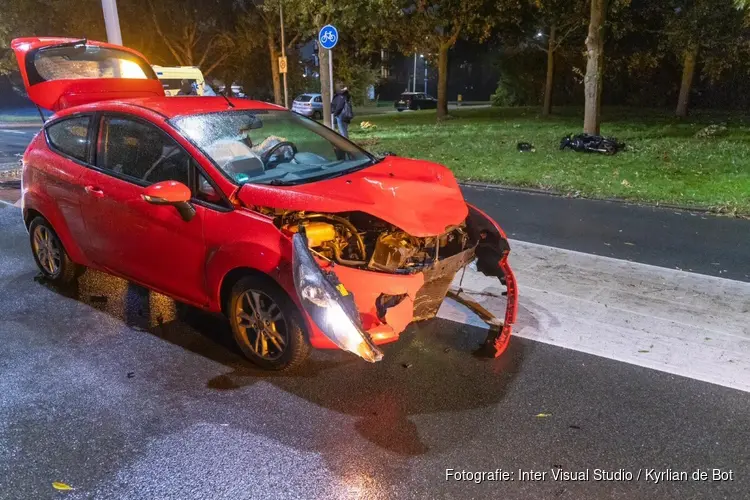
x=591, y=144
x=525, y=147
x=61, y=486
x=543, y=415
x=713, y=130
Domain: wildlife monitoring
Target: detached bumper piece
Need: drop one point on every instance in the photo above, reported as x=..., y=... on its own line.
x=492, y=260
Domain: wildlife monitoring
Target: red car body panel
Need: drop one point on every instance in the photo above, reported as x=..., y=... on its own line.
x=419, y=197
x=104, y=223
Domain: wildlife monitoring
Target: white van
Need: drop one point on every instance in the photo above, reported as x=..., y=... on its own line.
x=171, y=78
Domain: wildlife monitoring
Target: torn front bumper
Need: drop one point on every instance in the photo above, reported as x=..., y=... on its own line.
x=382, y=305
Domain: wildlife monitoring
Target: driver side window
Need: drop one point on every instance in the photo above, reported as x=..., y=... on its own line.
x=134, y=149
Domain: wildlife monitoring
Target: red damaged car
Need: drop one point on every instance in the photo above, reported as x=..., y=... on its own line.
x=297, y=235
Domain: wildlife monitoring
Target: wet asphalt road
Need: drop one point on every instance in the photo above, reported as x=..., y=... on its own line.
x=120, y=393
x=676, y=239
x=13, y=142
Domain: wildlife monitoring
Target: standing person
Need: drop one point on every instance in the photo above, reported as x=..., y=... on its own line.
x=341, y=108
x=186, y=88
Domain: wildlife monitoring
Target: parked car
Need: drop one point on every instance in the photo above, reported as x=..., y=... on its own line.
x=415, y=101
x=310, y=105
x=296, y=234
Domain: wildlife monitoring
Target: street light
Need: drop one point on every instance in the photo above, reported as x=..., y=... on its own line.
x=414, y=75
x=112, y=21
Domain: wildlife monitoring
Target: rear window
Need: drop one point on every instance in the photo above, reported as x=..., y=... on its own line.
x=70, y=137
x=73, y=62
x=303, y=98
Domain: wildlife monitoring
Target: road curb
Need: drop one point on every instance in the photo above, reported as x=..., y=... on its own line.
x=683, y=208
x=10, y=173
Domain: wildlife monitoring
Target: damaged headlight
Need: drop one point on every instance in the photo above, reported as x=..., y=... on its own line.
x=328, y=303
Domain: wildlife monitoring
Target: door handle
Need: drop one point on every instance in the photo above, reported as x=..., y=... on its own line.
x=94, y=191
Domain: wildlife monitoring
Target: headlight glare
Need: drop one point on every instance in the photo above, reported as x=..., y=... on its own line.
x=335, y=314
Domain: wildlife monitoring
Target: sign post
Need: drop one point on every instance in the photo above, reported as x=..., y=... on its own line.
x=282, y=67
x=327, y=39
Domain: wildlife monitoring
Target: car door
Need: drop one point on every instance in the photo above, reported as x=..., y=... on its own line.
x=60, y=174
x=150, y=244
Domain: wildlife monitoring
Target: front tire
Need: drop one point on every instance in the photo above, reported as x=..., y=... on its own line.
x=266, y=324
x=49, y=254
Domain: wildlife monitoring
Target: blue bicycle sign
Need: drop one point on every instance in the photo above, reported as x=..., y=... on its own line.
x=328, y=37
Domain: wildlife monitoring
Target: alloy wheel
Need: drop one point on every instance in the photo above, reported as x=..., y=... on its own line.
x=262, y=323
x=47, y=249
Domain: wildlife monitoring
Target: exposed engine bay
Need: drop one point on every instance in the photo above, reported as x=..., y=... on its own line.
x=356, y=239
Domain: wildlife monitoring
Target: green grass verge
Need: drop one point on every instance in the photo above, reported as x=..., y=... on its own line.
x=664, y=162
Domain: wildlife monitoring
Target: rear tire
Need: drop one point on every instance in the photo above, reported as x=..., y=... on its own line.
x=50, y=255
x=317, y=115
x=266, y=324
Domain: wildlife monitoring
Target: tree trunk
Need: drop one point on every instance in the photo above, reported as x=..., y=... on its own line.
x=592, y=82
x=547, y=108
x=442, y=104
x=688, y=70
x=273, y=53
x=325, y=86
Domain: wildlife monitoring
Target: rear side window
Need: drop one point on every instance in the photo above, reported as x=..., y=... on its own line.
x=70, y=137
x=317, y=99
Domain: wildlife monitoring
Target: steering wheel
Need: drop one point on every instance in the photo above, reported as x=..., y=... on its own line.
x=173, y=152
x=268, y=154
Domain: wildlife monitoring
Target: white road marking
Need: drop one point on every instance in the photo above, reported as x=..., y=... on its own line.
x=678, y=322
x=11, y=131
x=14, y=205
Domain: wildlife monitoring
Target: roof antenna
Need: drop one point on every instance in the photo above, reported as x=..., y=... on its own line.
x=227, y=99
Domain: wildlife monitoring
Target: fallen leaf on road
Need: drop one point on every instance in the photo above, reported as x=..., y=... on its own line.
x=61, y=486
x=543, y=415
x=630, y=244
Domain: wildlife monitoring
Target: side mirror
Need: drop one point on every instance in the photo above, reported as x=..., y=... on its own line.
x=172, y=193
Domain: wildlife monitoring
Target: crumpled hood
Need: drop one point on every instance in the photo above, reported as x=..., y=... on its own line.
x=419, y=197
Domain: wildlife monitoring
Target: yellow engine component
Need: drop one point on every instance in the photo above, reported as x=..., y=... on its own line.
x=317, y=232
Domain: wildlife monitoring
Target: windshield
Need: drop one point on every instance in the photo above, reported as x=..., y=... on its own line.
x=271, y=147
